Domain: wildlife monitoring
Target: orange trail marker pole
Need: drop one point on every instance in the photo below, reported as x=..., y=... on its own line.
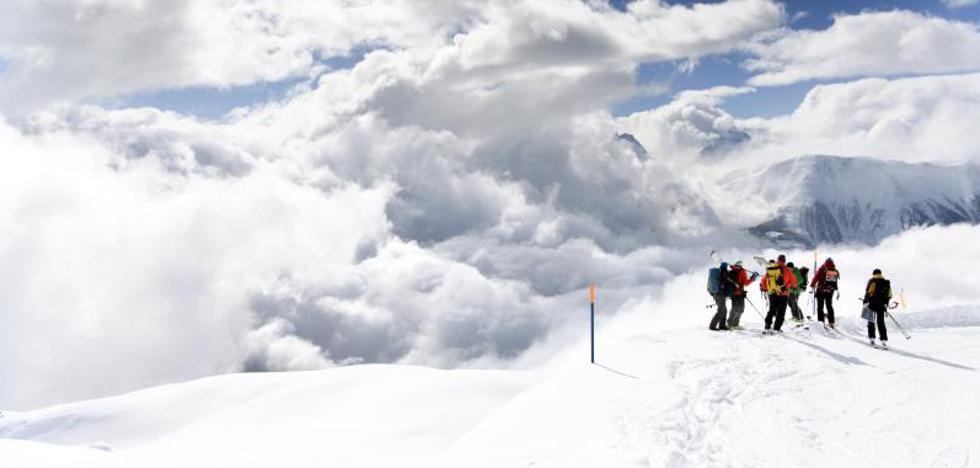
x=592, y=320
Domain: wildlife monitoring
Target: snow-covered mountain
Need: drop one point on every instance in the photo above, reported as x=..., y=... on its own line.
x=830, y=199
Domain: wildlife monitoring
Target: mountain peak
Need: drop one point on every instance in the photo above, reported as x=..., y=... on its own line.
x=830, y=199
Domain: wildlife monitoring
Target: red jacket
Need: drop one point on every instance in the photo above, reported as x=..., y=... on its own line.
x=821, y=275
x=741, y=280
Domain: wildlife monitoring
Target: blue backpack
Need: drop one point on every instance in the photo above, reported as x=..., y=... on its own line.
x=716, y=278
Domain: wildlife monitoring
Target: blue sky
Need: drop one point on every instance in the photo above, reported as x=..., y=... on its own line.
x=210, y=103
x=776, y=100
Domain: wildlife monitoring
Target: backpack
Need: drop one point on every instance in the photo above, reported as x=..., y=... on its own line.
x=774, y=279
x=830, y=278
x=879, y=291
x=716, y=279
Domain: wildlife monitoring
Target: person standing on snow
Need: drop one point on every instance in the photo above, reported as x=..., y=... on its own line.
x=794, y=293
x=720, y=289
x=877, y=295
x=824, y=285
x=777, y=284
x=739, y=278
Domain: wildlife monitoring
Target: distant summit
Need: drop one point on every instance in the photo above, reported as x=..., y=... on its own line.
x=631, y=140
x=832, y=199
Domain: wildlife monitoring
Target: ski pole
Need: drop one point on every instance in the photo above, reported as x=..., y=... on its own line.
x=905, y=333
x=754, y=307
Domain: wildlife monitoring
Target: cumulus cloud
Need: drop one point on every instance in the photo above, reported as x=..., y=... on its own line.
x=693, y=124
x=164, y=248
x=115, y=277
x=866, y=44
x=75, y=50
x=67, y=50
x=912, y=119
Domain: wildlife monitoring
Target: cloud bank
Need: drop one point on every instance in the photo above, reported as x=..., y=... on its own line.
x=66, y=51
x=867, y=44
x=911, y=119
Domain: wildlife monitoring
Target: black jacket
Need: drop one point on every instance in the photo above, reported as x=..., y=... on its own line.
x=878, y=293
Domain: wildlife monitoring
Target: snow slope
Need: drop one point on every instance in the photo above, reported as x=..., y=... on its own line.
x=832, y=199
x=355, y=416
x=666, y=392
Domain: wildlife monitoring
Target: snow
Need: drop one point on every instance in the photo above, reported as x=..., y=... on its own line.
x=665, y=392
x=354, y=416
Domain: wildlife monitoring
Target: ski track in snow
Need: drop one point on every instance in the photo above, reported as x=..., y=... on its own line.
x=707, y=393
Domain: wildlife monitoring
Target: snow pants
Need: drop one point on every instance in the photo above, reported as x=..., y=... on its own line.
x=738, y=306
x=794, y=306
x=777, y=311
x=828, y=300
x=721, y=311
x=880, y=318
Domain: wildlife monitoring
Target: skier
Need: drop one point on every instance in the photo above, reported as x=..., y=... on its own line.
x=739, y=279
x=719, y=289
x=876, y=297
x=794, y=294
x=777, y=283
x=824, y=285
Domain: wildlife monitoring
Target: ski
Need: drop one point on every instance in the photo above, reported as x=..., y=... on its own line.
x=830, y=331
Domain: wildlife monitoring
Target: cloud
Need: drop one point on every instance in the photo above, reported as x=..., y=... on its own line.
x=118, y=277
x=959, y=3
x=692, y=125
x=164, y=248
x=912, y=119
x=64, y=51
x=866, y=44
x=61, y=51
x=918, y=119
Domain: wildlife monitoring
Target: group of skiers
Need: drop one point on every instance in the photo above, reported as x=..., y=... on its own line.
x=781, y=286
